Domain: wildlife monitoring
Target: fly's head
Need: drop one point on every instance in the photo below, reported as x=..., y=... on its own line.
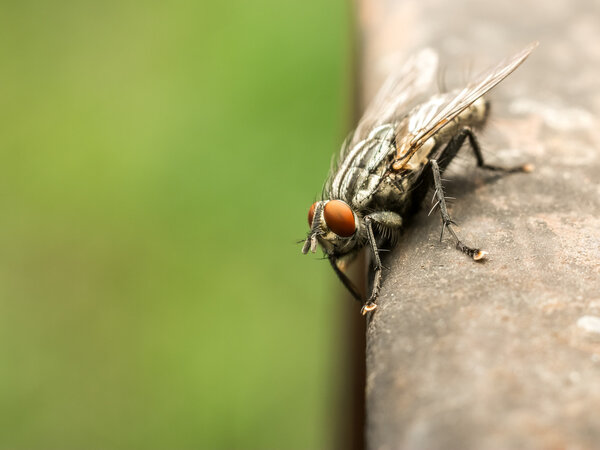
x=334, y=225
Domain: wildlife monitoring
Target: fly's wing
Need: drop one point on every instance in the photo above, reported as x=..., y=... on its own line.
x=408, y=79
x=429, y=117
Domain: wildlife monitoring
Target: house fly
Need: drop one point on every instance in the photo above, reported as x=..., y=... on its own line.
x=398, y=151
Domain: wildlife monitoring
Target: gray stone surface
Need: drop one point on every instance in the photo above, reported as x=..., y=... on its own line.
x=505, y=353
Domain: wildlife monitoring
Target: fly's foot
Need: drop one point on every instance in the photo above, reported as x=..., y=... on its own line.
x=475, y=253
x=368, y=307
x=525, y=168
x=480, y=255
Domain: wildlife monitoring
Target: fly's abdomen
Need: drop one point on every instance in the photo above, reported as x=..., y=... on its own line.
x=474, y=116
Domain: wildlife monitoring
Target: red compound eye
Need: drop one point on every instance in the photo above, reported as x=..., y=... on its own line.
x=339, y=218
x=311, y=214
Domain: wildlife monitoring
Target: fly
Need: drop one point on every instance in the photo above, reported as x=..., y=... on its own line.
x=399, y=149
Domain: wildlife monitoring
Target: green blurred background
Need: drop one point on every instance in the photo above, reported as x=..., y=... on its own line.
x=158, y=162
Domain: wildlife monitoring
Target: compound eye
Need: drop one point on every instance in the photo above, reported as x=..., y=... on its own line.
x=311, y=214
x=339, y=218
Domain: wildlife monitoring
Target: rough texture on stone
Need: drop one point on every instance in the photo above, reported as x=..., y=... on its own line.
x=504, y=353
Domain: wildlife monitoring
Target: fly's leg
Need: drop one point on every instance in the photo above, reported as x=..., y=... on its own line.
x=344, y=279
x=447, y=222
x=467, y=133
x=370, y=304
x=444, y=156
x=387, y=219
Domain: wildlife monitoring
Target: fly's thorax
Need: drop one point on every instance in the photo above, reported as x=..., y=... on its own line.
x=394, y=192
x=363, y=166
x=336, y=226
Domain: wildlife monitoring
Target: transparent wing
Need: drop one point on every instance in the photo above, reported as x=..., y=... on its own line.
x=408, y=79
x=429, y=117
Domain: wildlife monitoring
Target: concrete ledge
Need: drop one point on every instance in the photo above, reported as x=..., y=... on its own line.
x=506, y=353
